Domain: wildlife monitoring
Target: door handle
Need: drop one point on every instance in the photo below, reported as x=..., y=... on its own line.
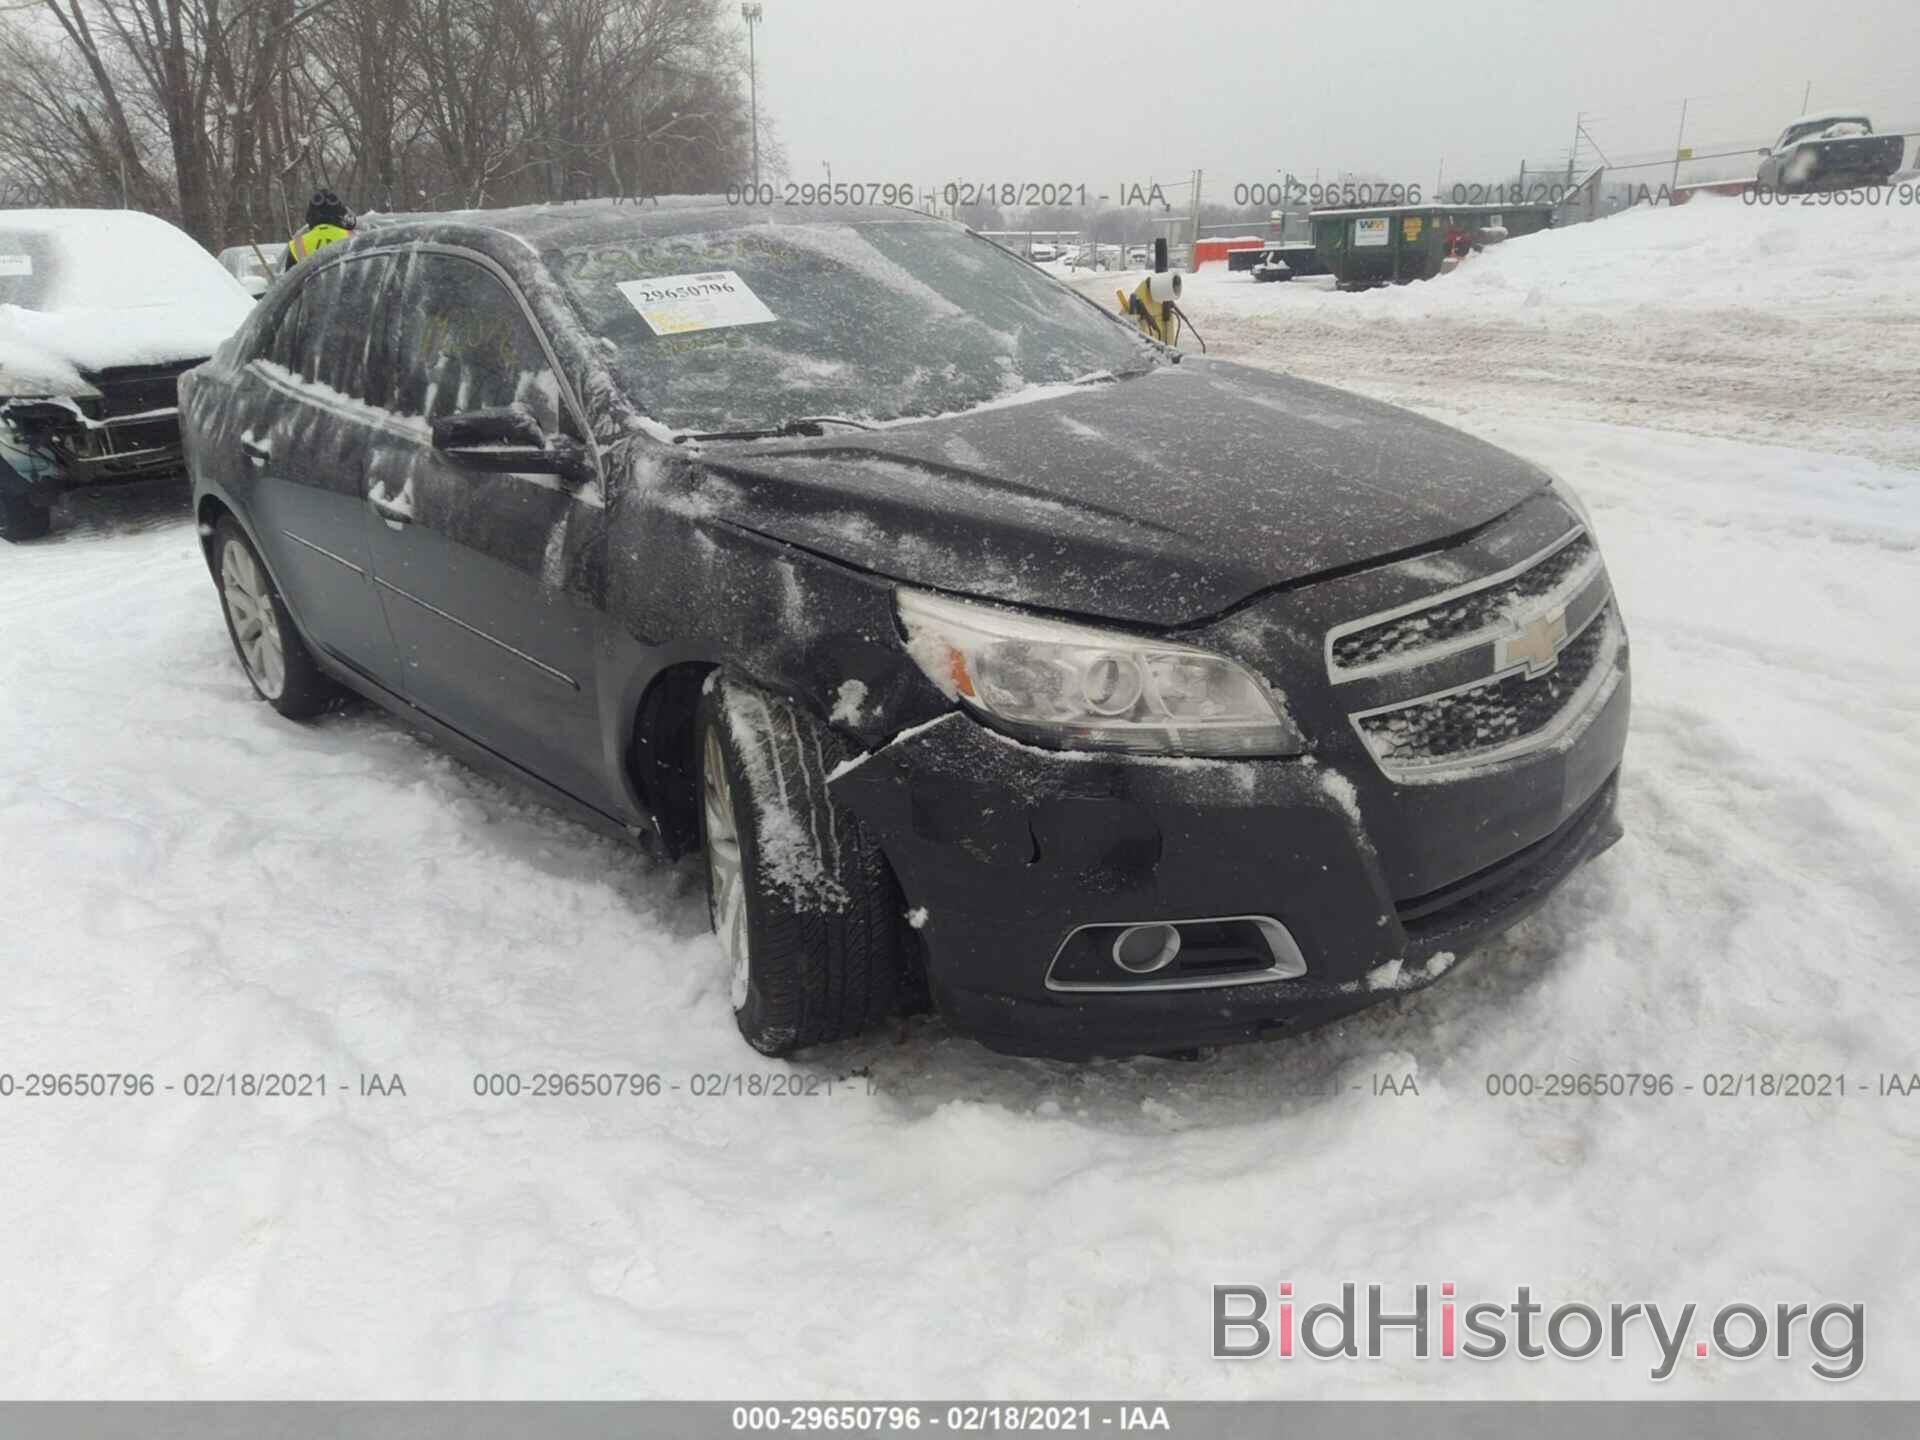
x=256, y=451
x=394, y=513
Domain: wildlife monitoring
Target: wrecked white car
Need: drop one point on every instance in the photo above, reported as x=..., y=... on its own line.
x=100, y=312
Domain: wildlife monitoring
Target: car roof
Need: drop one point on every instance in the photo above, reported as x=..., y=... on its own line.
x=518, y=231
x=1827, y=117
x=84, y=225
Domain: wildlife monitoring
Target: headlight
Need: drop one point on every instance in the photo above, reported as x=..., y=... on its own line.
x=1570, y=498
x=1082, y=689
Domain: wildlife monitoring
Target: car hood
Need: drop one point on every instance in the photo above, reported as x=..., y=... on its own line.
x=1160, y=501
x=48, y=352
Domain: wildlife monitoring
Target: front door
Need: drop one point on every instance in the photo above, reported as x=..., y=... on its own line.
x=305, y=442
x=489, y=581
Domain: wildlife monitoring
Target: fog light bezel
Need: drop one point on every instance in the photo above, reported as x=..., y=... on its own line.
x=1094, y=955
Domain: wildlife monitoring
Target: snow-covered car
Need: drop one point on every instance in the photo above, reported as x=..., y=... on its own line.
x=1121, y=701
x=252, y=265
x=1043, y=252
x=1139, y=256
x=1829, y=151
x=1270, y=267
x=100, y=313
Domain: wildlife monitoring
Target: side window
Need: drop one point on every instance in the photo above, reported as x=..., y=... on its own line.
x=461, y=342
x=283, y=346
x=342, y=334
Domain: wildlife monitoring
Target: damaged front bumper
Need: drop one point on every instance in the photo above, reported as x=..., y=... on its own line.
x=27, y=471
x=1012, y=851
x=50, y=445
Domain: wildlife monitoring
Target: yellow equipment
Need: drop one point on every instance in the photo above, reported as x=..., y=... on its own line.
x=1151, y=306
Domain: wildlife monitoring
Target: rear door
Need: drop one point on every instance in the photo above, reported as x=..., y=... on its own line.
x=306, y=445
x=489, y=581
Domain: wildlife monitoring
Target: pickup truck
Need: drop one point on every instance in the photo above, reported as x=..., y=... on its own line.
x=1832, y=151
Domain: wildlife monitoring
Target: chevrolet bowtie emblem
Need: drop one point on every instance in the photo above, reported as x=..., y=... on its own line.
x=1536, y=645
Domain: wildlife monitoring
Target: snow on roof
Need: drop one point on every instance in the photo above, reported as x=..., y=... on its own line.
x=1827, y=117
x=584, y=221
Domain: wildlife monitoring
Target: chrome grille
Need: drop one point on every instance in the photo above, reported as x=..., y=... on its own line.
x=1478, y=722
x=1459, y=618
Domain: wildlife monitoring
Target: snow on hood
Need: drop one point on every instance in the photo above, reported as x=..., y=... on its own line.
x=59, y=345
x=1161, y=501
x=97, y=311
x=27, y=367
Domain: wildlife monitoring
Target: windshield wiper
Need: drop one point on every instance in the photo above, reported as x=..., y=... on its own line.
x=1114, y=377
x=808, y=425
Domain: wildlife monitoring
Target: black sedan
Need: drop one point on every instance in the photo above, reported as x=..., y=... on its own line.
x=1110, y=700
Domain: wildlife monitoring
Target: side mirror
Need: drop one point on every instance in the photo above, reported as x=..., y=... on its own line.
x=510, y=441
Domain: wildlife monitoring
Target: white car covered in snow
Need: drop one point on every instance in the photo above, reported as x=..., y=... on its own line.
x=252, y=265
x=100, y=313
x=1831, y=151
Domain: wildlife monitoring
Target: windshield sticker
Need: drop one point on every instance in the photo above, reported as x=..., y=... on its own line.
x=16, y=264
x=1371, y=231
x=678, y=304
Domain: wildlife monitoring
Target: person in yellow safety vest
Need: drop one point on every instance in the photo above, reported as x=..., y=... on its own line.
x=328, y=220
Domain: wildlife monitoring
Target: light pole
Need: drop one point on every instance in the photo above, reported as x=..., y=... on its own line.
x=752, y=13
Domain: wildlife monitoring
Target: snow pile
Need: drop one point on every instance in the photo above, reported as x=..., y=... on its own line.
x=1716, y=250
x=1719, y=317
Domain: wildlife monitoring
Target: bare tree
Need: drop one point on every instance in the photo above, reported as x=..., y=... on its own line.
x=221, y=113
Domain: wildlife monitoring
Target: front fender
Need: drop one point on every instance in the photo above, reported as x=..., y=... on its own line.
x=686, y=583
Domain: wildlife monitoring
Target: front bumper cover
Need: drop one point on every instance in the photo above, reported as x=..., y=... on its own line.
x=1009, y=848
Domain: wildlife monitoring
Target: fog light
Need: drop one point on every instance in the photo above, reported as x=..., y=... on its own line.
x=1143, y=949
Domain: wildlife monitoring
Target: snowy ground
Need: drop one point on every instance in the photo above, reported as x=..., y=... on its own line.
x=193, y=885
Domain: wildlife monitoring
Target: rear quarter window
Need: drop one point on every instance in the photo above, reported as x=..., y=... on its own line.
x=341, y=329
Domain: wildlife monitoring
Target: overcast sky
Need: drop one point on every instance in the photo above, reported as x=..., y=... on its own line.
x=1031, y=90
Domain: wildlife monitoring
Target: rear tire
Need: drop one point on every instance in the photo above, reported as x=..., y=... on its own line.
x=21, y=519
x=807, y=911
x=279, y=666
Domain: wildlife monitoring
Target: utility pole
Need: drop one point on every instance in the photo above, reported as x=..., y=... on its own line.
x=1579, y=124
x=1193, y=255
x=1677, y=145
x=1806, y=97
x=753, y=13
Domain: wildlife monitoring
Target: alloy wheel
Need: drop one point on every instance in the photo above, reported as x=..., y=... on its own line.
x=256, y=625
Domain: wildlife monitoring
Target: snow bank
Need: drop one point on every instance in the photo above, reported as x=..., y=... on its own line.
x=1750, y=321
x=1717, y=250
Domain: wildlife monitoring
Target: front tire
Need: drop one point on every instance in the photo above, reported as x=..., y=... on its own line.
x=21, y=519
x=278, y=664
x=801, y=898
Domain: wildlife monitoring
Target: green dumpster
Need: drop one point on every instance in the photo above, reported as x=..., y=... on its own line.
x=1393, y=244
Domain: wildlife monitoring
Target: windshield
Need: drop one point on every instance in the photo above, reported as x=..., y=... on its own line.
x=747, y=326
